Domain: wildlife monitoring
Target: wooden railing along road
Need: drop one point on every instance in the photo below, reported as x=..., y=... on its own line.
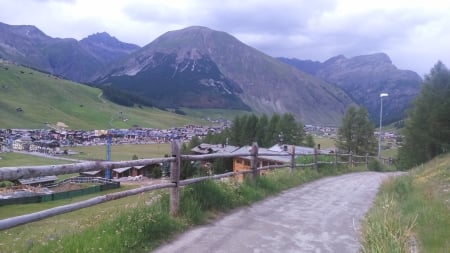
x=14, y=173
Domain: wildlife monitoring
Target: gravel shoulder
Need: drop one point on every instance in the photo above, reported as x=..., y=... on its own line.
x=321, y=216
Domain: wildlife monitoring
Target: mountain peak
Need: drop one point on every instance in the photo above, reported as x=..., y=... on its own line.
x=29, y=31
x=105, y=39
x=100, y=36
x=377, y=59
x=335, y=59
x=197, y=28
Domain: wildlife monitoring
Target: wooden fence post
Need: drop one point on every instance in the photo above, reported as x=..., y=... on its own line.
x=350, y=159
x=316, y=166
x=175, y=178
x=254, y=161
x=335, y=159
x=292, y=158
x=367, y=161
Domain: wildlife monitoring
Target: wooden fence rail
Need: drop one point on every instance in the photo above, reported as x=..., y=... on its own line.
x=14, y=173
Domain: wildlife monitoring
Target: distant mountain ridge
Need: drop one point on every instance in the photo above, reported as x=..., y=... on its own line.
x=198, y=67
x=75, y=60
x=201, y=67
x=364, y=78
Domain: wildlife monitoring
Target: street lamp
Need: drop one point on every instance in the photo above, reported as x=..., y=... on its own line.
x=381, y=117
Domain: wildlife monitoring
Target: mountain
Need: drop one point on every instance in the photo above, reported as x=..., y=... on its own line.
x=364, y=78
x=106, y=48
x=198, y=67
x=75, y=60
x=32, y=99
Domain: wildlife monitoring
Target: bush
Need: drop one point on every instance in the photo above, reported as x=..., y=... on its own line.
x=375, y=165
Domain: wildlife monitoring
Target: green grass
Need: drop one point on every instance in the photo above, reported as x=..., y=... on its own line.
x=17, y=159
x=390, y=152
x=325, y=142
x=121, y=152
x=131, y=225
x=118, y=153
x=45, y=99
x=413, y=207
x=214, y=113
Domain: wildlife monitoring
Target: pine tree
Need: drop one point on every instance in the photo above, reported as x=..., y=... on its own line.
x=427, y=127
x=261, y=131
x=356, y=133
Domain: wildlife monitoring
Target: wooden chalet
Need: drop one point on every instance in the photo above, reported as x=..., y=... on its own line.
x=128, y=172
x=242, y=163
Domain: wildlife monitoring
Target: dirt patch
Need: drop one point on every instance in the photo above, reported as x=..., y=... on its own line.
x=70, y=187
x=20, y=188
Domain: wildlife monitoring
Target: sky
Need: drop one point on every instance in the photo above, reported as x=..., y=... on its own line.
x=414, y=33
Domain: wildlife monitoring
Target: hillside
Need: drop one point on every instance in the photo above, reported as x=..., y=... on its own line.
x=364, y=78
x=31, y=99
x=197, y=67
x=411, y=212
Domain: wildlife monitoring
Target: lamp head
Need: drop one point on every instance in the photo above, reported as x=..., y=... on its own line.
x=383, y=95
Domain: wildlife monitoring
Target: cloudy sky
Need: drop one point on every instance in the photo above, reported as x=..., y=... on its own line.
x=414, y=33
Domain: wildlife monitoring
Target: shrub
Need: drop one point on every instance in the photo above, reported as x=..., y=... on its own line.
x=375, y=165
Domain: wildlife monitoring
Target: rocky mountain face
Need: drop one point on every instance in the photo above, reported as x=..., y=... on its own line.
x=200, y=67
x=364, y=78
x=72, y=59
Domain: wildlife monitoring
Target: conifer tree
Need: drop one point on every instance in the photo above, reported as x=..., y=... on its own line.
x=427, y=127
x=356, y=133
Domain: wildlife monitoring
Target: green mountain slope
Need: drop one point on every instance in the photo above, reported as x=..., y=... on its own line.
x=32, y=99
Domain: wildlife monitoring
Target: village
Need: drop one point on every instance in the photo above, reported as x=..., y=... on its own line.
x=54, y=140
x=57, y=141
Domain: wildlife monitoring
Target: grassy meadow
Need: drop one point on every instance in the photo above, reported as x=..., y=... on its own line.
x=121, y=152
x=46, y=99
x=11, y=159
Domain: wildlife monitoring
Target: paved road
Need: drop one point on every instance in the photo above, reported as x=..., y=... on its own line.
x=321, y=216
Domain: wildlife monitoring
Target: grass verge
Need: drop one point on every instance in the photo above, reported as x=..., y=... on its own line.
x=411, y=213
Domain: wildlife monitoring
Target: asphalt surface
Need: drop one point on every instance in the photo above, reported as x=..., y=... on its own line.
x=321, y=216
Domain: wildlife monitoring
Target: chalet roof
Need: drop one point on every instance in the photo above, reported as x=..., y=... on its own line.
x=298, y=149
x=37, y=180
x=91, y=173
x=121, y=170
x=277, y=156
x=206, y=148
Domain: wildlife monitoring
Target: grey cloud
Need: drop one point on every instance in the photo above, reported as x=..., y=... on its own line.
x=280, y=17
x=149, y=13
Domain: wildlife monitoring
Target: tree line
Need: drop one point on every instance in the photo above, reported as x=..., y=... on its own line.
x=266, y=131
x=427, y=126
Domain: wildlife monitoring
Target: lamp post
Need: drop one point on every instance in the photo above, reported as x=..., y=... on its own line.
x=381, y=118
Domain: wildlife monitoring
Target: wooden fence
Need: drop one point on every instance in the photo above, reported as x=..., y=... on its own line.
x=14, y=173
